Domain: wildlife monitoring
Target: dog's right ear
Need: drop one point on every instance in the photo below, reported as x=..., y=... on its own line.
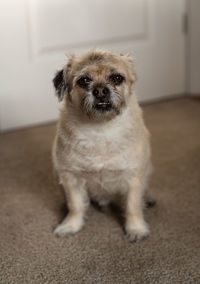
x=60, y=84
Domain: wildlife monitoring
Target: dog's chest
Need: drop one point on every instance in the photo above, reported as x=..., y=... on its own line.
x=92, y=151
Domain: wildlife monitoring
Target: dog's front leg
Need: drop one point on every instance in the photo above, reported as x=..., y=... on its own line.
x=135, y=226
x=77, y=201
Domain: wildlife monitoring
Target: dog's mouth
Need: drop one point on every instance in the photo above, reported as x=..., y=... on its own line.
x=103, y=106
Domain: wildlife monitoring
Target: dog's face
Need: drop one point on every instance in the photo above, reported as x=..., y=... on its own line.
x=97, y=84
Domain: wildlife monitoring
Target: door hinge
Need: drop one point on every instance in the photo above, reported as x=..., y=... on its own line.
x=185, y=23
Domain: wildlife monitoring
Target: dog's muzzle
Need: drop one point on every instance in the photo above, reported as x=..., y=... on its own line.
x=102, y=100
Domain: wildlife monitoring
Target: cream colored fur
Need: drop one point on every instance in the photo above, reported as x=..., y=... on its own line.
x=103, y=158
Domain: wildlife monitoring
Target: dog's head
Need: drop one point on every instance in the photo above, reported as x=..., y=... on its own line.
x=97, y=84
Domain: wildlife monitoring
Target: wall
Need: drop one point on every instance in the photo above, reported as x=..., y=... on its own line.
x=193, y=85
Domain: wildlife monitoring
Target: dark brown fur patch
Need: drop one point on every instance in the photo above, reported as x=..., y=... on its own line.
x=59, y=84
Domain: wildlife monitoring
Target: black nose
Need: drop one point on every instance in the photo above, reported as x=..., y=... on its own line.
x=101, y=92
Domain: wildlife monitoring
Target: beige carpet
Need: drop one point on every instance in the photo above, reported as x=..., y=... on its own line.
x=32, y=204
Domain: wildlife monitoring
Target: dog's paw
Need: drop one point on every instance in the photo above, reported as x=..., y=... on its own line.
x=69, y=227
x=137, y=233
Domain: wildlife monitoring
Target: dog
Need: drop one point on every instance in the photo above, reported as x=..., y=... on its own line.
x=101, y=150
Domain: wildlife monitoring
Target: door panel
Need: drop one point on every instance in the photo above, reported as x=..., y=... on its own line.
x=99, y=20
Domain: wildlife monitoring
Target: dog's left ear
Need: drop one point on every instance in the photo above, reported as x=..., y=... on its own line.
x=60, y=84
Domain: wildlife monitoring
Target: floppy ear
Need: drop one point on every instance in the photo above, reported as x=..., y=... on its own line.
x=60, y=84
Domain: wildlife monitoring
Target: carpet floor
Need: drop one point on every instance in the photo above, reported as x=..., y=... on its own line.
x=32, y=204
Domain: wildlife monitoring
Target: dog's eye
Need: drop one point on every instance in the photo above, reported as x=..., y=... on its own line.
x=117, y=79
x=83, y=81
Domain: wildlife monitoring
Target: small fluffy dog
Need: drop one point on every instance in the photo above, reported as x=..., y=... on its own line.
x=101, y=149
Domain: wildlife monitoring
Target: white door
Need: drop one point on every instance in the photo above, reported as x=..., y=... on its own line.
x=36, y=34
